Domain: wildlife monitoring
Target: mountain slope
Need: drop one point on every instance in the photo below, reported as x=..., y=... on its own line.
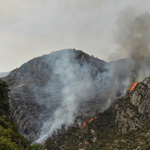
x=9, y=137
x=125, y=125
x=40, y=87
x=52, y=93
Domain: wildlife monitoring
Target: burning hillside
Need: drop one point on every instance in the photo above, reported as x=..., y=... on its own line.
x=57, y=91
x=134, y=85
x=131, y=89
x=67, y=87
x=84, y=124
x=121, y=125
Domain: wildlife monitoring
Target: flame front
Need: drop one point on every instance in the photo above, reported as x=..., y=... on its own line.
x=42, y=141
x=84, y=124
x=91, y=120
x=134, y=85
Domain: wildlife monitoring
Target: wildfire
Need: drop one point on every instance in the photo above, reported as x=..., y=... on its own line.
x=84, y=124
x=42, y=141
x=91, y=120
x=134, y=85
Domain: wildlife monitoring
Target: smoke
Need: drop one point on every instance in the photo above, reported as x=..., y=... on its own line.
x=78, y=86
x=132, y=37
x=84, y=89
x=134, y=34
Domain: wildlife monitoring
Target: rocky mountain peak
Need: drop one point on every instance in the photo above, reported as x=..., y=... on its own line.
x=37, y=88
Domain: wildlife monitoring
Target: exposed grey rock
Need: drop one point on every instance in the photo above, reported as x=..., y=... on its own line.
x=136, y=98
x=35, y=90
x=135, y=108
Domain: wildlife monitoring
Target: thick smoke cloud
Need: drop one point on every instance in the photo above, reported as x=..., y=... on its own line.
x=134, y=34
x=133, y=39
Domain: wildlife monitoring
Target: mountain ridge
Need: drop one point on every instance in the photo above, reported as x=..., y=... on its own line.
x=33, y=76
x=55, y=94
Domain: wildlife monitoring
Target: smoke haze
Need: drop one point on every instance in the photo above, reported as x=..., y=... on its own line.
x=134, y=34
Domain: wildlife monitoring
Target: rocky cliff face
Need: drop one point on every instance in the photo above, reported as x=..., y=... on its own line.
x=36, y=89
x=133, y=111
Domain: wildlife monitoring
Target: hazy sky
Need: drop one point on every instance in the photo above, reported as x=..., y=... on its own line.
x=30, y=28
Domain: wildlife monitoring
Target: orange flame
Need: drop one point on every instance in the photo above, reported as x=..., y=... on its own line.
x=84, y=124
x=134, y=85
x=91, y=120
x=42, y=141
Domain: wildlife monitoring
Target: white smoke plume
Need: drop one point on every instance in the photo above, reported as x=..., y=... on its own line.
x=78, y=86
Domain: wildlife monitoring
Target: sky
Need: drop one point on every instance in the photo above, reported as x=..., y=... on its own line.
x=31, y=28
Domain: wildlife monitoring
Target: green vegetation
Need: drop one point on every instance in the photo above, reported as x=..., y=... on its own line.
x=37, y=147
x=102, y=133
x=10, y=139
x=103, y=129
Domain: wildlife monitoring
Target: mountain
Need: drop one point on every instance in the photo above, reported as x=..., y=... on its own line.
x=71, y=100
x=39, y=89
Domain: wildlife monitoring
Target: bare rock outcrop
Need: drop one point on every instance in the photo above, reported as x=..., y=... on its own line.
x=133, y=111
